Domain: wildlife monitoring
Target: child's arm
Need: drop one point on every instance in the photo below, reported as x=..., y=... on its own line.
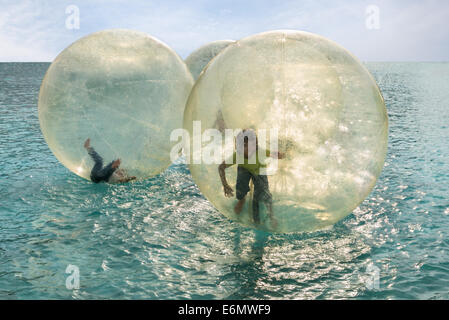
x=227, y=188
x=127, y=179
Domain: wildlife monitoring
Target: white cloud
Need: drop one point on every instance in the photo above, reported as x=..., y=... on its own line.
x=24, y=34
x=410, y=29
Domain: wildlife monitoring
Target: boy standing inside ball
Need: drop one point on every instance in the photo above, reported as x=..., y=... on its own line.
x=249, y=170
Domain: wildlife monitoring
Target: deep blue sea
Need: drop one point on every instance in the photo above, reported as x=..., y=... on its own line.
x=161, y=239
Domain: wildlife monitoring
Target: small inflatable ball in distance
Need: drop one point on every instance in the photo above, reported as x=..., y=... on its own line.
x=329, y=117
x=199, y=58
x=123, y=89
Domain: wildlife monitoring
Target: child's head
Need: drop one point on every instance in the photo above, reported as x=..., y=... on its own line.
x=246, y=142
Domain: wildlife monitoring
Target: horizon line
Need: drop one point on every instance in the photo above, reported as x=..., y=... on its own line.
x=363, y=61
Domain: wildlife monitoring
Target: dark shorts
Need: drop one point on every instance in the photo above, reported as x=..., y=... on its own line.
x=261, y=189
x=99, y=173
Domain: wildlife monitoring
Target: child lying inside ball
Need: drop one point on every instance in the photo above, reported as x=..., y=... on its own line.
x=250, y=171
x=110, y=173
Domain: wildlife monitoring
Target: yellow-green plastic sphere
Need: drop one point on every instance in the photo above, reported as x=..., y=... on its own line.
x=123, y=89
x=199, y=58
x=327, y=110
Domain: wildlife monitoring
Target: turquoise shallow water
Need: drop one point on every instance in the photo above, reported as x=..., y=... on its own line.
x=160, y=239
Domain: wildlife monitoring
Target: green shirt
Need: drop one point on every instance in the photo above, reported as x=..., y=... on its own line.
x=252, y=164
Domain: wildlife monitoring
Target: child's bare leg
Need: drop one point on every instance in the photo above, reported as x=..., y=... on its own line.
x=239, y=205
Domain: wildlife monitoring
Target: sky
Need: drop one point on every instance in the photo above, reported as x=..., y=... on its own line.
x=373, y=30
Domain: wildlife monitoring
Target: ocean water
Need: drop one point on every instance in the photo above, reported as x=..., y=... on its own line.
x=160, y=238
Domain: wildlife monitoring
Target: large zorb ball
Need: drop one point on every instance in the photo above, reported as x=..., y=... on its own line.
x=199, y=58
x=330, y=119
x=124, y=90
